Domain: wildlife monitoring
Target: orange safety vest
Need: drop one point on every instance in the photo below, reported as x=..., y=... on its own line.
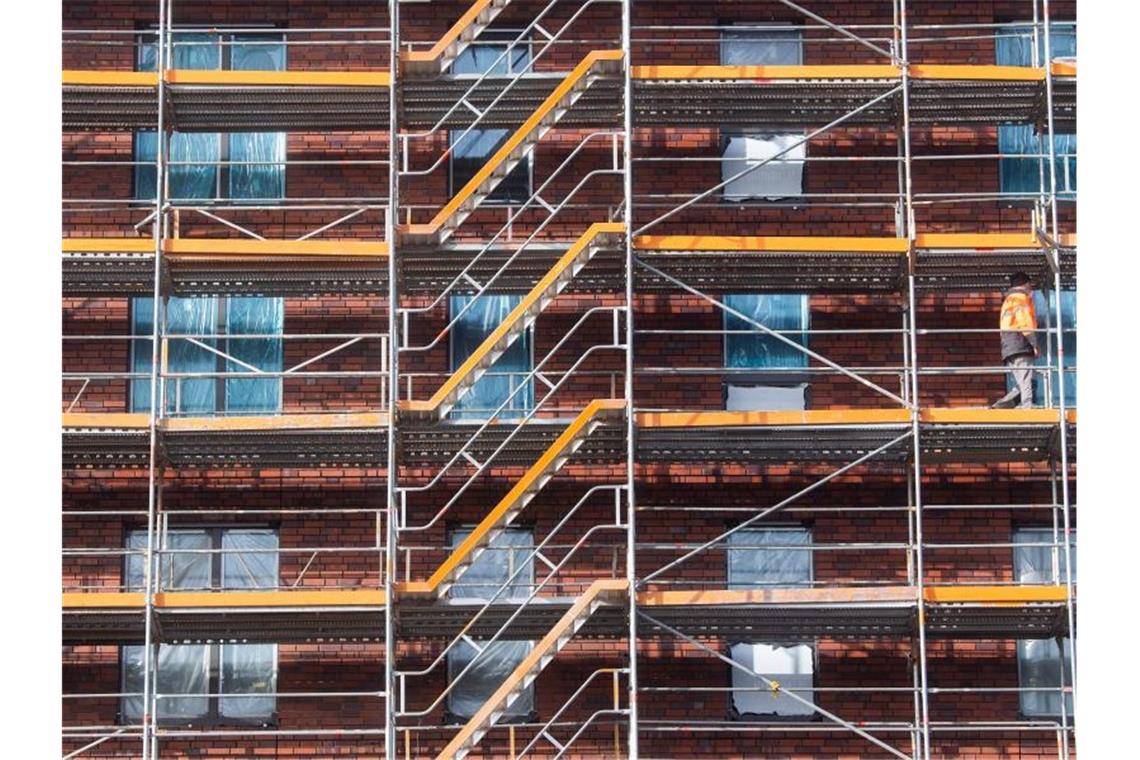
x=1018, y=312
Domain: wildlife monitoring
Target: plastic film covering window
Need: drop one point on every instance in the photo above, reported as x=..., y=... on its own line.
x=761, y=45
x=1039, y=660
x=250, y=559
x=763, y=559
x=257, y=180
x=776, y=311
x=1014, y=47
x=783, y=177
x=192, y=165
x=509, y=551
x=1039, y=666
x=180, y=669
x=792, y=666
x=188, y=570
x=248, y=681
x=506, y=374
x=254, y=316
x=506, y=553
x=192, y=317
x=1069, y=342
x=483, y=56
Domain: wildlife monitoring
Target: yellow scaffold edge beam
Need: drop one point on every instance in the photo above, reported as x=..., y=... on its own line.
x=785, y=244
x=110, y=78
x=227, y=599
x=279, y=78
x=939, y=72
x=108, y=245
x=994, y=595
x=785, y=596
x=701, y=419
x=317, y=421
x=192, y=248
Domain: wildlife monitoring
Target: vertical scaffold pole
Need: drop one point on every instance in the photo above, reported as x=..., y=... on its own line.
x=391, y=519
x=154, y=471
x=916, y=468
x=630, y=427
x=1058, y=327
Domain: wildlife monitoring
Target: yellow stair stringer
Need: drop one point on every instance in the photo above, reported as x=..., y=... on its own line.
x=515, y=323
x=510, y=505
x=532, y=126
x=461, y=34
x=482, y=721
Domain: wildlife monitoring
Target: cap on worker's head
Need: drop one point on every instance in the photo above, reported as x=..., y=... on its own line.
x=1019, y=278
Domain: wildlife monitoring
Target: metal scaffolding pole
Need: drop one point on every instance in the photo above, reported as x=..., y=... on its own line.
x=1058, y=326
x=392, y=516
x=915, y=399
x=154, y=472
x=630, y=428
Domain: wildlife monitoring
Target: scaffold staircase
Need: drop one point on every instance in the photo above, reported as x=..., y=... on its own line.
x=515, y=325
x=600, y=592
x=509, y=507
x=519, y=145
x=462, y=33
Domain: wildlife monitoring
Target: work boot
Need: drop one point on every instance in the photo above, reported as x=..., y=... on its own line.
x=1005, y=403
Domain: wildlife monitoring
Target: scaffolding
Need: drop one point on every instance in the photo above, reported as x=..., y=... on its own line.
x=593, y=239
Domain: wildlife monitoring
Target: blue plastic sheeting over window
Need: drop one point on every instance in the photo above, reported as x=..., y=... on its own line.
x=199, y=317
x=506, y=374
x=254, y=316
x=184, y=316
x=1069, y=343
x=254, y=53
x=192, y=168
x=780, y=312
x=198, y=179
x=471, y=151
x=1022, y=175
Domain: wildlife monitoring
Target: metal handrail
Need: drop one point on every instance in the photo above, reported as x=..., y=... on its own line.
x=543, y=731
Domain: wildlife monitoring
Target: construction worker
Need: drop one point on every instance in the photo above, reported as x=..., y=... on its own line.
x=1019, y=341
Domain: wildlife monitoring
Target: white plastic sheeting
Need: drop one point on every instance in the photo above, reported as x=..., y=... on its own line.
x=1039, y=661
x=754, y=561
x=792, y=666
x=783, y=177
x=182, y=669
x=248, y=669
x=509, y=371
x=762, y=45
x=506, y=553
x=249, y=559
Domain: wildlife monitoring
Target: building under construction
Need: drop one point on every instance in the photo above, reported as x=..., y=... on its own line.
x=551, y=378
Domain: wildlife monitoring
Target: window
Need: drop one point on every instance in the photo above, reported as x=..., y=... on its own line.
x=197, y=170
x=207, y=316
x=783, y=382
x=1040, y=661
x=1021, y=175
x=507, y=373
x=1069, y=341
x=507, y=553
x=762, y=45
x=768, y=558
x=471, y=151
x=223, y=682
